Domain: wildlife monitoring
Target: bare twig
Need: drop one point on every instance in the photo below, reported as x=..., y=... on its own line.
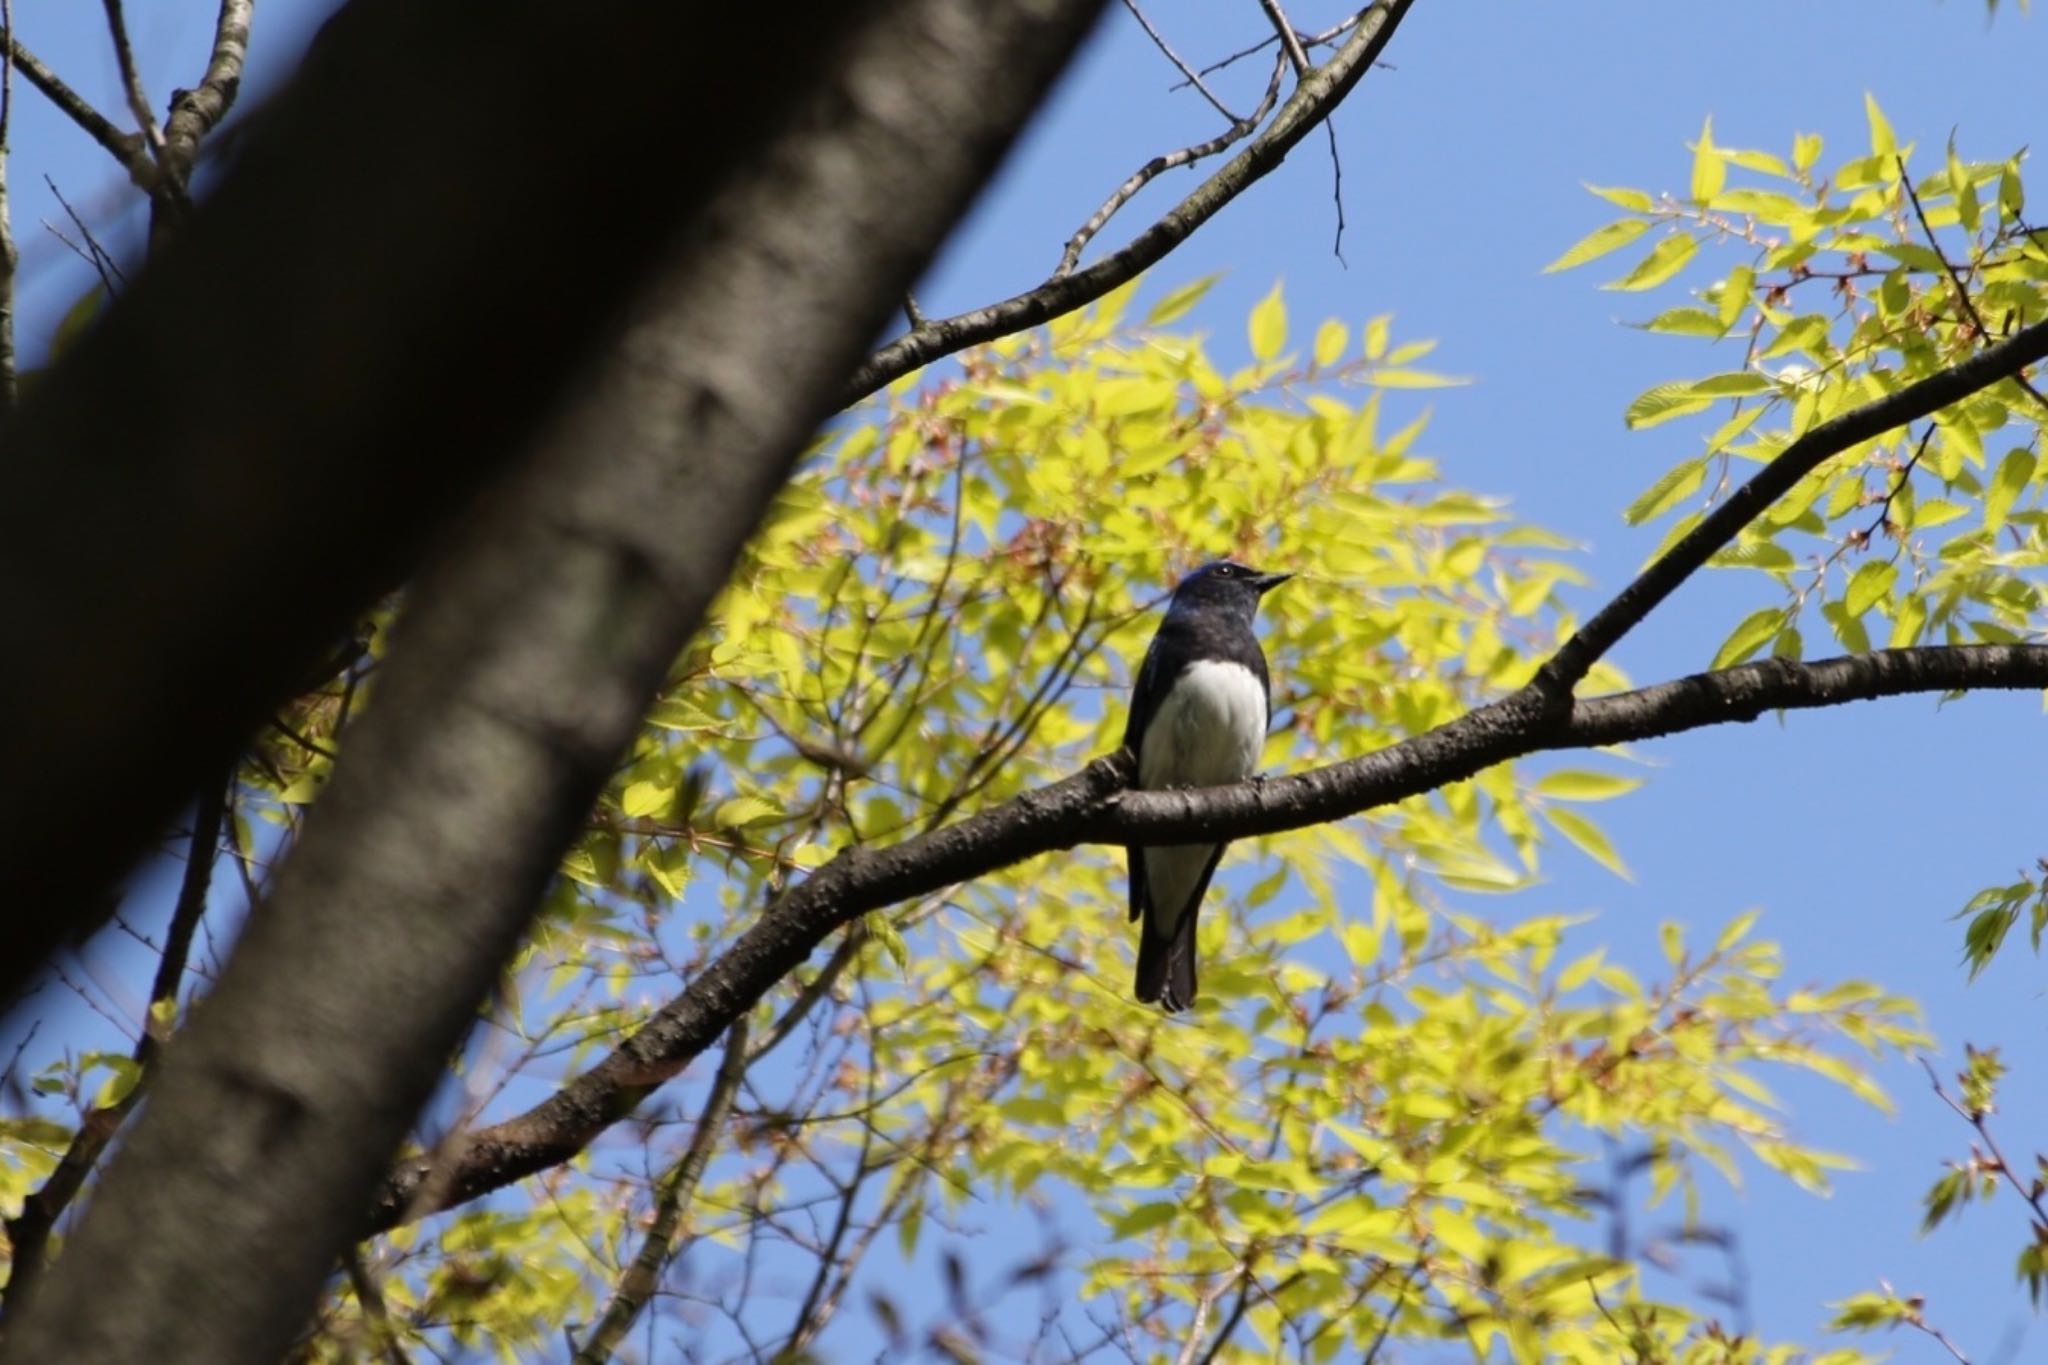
x=375, y=1312
x=1190, y=76
x=98, y=257
x=1322, y=39
x=1290, y=41
x=1160, y=165
x=1977, y=1121
x=131, y=81
x=1415, y=1268
x=1205, y=1305
x=28, y=1233
x=1955, y=278
x=10, y=259
x=1318, y=92
x=126, y=148
x=642, y=1277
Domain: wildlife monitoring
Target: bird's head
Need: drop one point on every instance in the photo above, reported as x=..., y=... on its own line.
x=1226, y=583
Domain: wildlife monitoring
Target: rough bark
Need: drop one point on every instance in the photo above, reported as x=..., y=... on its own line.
x=533, y=643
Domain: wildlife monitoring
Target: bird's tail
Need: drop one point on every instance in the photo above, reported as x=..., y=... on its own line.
x=1166, y=965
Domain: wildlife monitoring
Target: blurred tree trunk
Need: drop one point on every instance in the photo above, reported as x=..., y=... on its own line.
x=685, y=223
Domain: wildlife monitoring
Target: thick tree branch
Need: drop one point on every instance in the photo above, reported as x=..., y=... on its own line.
x=1093, y=806
x=1720, y=526
x=1318, y=92
x=531, y=647
x=197, y=112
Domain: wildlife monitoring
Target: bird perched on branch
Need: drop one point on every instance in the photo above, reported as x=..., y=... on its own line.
x=1198, y=719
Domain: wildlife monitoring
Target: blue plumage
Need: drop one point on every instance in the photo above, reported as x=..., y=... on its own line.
x=1198, y=719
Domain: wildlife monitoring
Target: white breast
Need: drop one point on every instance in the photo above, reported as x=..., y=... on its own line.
x=1208, y=731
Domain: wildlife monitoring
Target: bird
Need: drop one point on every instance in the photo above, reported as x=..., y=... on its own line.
x=1198, y=719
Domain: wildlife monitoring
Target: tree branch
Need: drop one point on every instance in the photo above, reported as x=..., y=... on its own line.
x=28, y=1234
x=1094, y=806
x=126, y=148
x=1720, y=526
x=1317, y=93
x=1955, y=278
x=642, y=1277
x=197, y=112
x=1158, y=166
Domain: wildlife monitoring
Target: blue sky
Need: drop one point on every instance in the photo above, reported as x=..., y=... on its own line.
x=1857, y=832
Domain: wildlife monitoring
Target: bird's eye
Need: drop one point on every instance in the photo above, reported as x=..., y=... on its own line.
x=1226, y=570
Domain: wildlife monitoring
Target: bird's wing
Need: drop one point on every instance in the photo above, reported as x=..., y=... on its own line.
x=1146, y=694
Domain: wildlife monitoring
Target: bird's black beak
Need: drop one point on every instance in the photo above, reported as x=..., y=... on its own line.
x=1266, y=582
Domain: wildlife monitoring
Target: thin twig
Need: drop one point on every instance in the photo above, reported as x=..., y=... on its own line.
x=1323, y=39
x=375, y=1312
x=1955, y=278
x=1290, y=41
x=638, y=1284
x=1191, y=77
x=126, y=148
x=1976, y=1121
x=1336, y=189
x=131, y=81
x=10, y=259
x=1160, y=165
x=1203, y=1307
x=1318, y=92
x=28, y=1233
x=98, y=257
x=1394, y=1309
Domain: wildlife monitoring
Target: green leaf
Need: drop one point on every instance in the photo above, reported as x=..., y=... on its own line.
x=645, y=798
x=1669, y=257
x=1660, y=497
x=2015, y=472
x=1737, y=930
x=1734, y=384
x=1579, y=785
x=884, y=931
x=741, y=811
x=1331, y=339
x=1882, y=143
x=1662, y=403
x=1686, y=322
x=1636, y=201
x=1709, y=167
x=1587, y=837
x=1144, y=1218
x=1599, y=242
x=1806, y=149
x=1869, y=585
x=1754, y=631
x=1268, y=326
x=1735, y=294
x=1178, y=302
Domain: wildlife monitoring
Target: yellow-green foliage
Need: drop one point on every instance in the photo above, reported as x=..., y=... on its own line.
x=1384, y=1110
